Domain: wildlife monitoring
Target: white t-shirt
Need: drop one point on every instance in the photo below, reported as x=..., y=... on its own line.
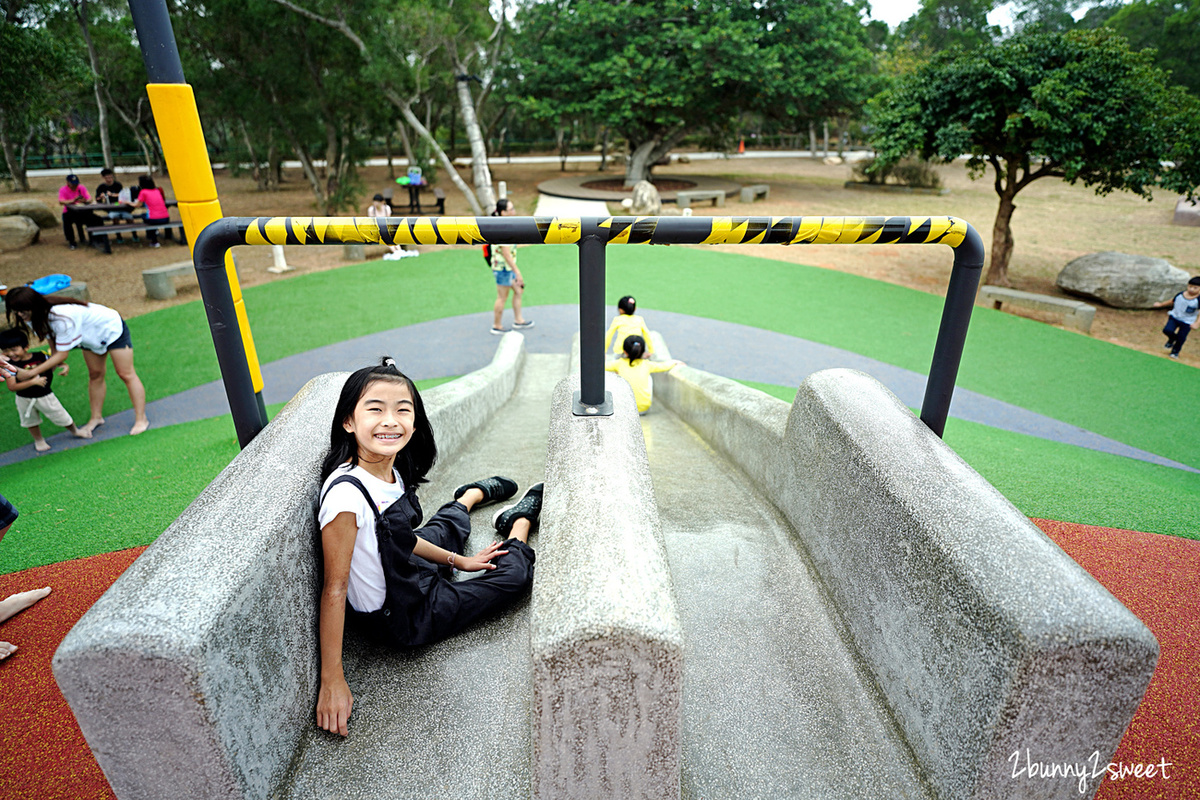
x=387, y=211
x=1186, y=310
x=93, y=326
x=367, y=588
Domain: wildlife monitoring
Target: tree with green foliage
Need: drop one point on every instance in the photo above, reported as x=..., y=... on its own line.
x=651, y=71
x=1081, y=106
x=1172, y=27
x=941, y=24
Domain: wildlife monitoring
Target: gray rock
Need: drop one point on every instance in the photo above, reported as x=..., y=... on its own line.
x=1122, y=280
x=39, y=212
x=17, y=232
x=1187, y=213
x=646, y=201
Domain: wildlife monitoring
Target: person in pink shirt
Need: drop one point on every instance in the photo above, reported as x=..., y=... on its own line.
x=151, y=198
x=70, y=195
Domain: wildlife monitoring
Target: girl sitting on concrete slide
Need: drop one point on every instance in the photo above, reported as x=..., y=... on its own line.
x=636, y=371
x=380, y=569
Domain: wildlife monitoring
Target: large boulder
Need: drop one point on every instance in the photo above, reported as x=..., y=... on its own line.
x=1187, y=213
x=1122, y=280
x=39, y=212
x=646, y=201
x=17, y=232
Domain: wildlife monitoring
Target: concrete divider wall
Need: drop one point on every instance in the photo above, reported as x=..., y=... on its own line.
x=987, y=642
x=195, y=674
x=606, y=640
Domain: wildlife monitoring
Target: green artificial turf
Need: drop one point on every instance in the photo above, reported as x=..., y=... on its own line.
x=1052, y=480
x=1129, y=396
x=114, y=494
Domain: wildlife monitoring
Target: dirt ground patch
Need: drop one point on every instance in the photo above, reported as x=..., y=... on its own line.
x=1054, y=223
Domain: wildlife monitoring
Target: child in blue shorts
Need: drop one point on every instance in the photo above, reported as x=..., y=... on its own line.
x=503, y=260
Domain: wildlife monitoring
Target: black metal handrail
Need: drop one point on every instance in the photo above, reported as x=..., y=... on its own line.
x=592, y=235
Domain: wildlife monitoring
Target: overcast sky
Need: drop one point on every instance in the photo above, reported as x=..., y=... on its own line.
x=893, y=12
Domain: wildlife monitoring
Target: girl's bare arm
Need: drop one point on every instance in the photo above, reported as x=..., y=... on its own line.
x=334, y=701
x=56, y=357
x=438, y=555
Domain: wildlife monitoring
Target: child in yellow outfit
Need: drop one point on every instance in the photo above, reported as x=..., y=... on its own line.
x=636, y=371
x=627, y=324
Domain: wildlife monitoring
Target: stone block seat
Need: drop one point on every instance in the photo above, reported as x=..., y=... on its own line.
x=686, y=198
x=751, y=193
x=1077, y=314
x=160, y=281
x=733, y=598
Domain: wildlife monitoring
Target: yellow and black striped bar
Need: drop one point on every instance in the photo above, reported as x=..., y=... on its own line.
x=592, y=235
x=615, y=230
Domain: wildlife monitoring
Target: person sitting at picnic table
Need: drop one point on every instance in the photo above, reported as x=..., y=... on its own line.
x=73, y=194
x=109, y=191
x=151, y=198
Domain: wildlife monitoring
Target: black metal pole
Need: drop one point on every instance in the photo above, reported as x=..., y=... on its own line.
x=952, y=333
x=249, y=415
x=157, y=38
x=592, y=400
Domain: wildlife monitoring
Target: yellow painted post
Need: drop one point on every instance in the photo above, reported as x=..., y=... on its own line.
x=179, y=130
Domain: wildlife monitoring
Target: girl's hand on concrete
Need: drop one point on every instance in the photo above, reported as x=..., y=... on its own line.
x=481, y=560
x=334, y=704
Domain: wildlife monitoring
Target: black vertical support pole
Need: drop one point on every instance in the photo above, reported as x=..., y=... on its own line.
x=952, y=333
x=157, y=38
x=592, y=400
x=249, y=415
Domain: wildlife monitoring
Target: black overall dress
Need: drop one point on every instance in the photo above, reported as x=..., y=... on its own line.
x=422, y=604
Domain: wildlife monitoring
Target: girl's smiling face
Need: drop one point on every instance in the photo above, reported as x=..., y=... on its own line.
x=383, y=419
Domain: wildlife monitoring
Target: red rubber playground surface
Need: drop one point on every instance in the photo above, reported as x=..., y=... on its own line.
x=43, y=755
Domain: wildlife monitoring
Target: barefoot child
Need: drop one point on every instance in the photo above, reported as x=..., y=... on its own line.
x=34, y=396
x=20, y=601
x=99, y=330
x=636, y=371
x=380, y=569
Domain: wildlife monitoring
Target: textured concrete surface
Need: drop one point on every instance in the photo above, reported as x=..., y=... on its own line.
x=605, y=635
x=195, y=675
x=981, y=635
x=450, y=720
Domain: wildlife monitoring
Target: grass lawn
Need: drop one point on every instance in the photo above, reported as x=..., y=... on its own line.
x=1129, y=396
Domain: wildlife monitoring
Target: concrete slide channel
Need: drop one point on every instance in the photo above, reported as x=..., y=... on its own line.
x=689, y=638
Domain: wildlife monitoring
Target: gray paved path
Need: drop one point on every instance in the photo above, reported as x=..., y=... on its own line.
x=458, y=345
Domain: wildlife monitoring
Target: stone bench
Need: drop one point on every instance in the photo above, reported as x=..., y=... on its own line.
x=982, y=637
x=160, y=281
x=685, y=199
x=196, y=673
x=77, y=290
x=1077, y=314
x=751, y=193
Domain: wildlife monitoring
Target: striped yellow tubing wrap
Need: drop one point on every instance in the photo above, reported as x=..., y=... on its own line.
x=182, y=138
x=620, y=230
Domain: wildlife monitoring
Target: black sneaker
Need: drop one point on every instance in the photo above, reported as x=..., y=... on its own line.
x=528, y=507
x=523, y=325
x=494, y=489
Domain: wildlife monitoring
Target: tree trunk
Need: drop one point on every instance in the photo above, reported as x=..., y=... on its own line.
x=256, y=170
x=1002, y=238
x=604, y=149
x=404, y=141
x=643, y=157
x=19, y=180
x=560, y=134
x=406, y=109
x=479, y=160
x=387, y=149
x=812, y=139
x=94, y=62
x=825, y=140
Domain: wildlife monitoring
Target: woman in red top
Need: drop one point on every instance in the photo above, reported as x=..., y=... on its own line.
x=151, y=197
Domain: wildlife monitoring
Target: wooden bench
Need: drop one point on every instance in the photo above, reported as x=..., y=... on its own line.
x=751, y=193
x=1077, y=314
x=99, y=233
x=439, y=204
x=160, y=281
x=685, y=199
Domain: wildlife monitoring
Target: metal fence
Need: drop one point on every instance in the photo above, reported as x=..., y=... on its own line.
x=592, y=235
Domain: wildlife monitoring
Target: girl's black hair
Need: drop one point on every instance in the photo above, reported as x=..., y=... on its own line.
x=634, y=347
x=146, y=182
x=627, y=305
x=26, y=298
x=415, y=460
x=501, y=206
